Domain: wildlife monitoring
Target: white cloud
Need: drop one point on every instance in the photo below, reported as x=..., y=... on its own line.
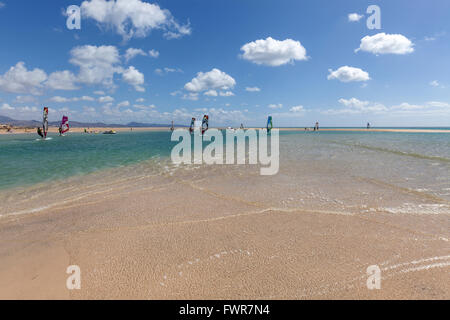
x=297, y=109
x=153, y=53
x=438, y=104
x=407, y=106
x=6, y=107
x=140, y=100
x=356, y=106
x=434, y=83
x=211, y=93
x=176, y=93
x=271, y=52
x=226, y=94
x=143, y=107
x=135, y=78
x=354, y=17
x=59, y=99
x=20, y=80
x=62, y=80
x=383, y=43
x=252, y=89
x=25, y=99
x=214, y=79
x=193, y=96
x=353, y=102
x=97, y=64
x=84, y=98
x=348, y=74
x=275, y=106
x=131, y=53
x=123, y=104
x=105, y=99
x=167, y=71
x=133, y=18
x=2, y=5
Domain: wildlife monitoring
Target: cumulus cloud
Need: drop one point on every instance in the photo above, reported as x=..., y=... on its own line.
x=6, y=107
x=135, y=78
x=356, y=106
x=18, y=79
x=62, y=80
x=211, y=93
x=153, y=53
x=97, y=64
x=434, y=83
x=275, y=106
x=123, y=104
x=133, y=18
x=193, y=96
x=25, y=99
x=212, y=80
x=166, y=70
x=383, y=43
x=226, y=94
x=353, y=102
x=105, y=99
x=271, y=52
x=297, y=109
x=131, y=53
x=59, y=99
x=252, y=89
x=348, y=74
x=354, y=17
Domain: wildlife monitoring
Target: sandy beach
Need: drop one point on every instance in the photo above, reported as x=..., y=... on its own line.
x=156, y=231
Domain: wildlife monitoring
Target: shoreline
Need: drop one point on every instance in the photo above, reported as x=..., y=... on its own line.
x=159, y=129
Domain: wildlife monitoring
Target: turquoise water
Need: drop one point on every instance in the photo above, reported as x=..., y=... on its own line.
x=25, y=160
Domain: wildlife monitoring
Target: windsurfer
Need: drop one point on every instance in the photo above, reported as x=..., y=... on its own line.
x=39, y=132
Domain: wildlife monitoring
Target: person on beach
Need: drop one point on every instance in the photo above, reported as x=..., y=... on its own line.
x=316, y=128
x=368, y=125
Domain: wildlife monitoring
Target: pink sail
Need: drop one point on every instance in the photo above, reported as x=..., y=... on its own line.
x=64, y=125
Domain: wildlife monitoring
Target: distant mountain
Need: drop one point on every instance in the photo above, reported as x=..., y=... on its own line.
x=19, y=123
x=76, y=124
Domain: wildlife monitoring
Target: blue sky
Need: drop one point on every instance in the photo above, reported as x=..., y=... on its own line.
x=294, y=60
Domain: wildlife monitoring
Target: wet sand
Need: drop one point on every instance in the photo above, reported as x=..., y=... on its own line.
x=198, y=234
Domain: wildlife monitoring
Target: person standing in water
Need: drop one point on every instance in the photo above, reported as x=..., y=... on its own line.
x=368, y=125
x=316, y=128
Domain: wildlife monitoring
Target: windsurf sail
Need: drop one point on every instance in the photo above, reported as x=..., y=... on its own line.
x=45, y=122
x=191, y=129
x=269, y=124
x=64, y=127
x=173, y=127
x=205, y=124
